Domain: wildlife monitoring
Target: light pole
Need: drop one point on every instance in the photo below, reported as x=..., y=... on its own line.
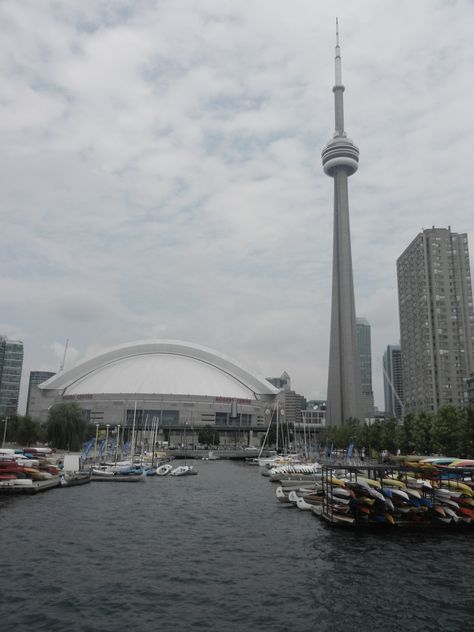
x=117, y=441
x=107, y=426
x=282, y=415
x=5, y=431
x=96, y=439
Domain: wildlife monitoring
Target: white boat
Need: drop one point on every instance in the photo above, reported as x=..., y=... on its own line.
x=282, y=497
x=211, y=456
x=164, y=469
x=183, y=470
x=279, y=459
x=302, y=504
x=71, y=479
x=293, y=470
x=317, y=510
x=102, y=471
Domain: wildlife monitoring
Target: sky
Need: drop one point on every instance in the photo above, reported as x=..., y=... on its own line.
x=161, y=170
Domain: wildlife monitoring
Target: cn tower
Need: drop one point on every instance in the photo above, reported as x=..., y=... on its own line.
x=340, y=160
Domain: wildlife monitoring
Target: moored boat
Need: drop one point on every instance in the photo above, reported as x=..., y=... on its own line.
x=183, y=470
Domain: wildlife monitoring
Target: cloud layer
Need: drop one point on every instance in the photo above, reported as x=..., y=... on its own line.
x=161, y=170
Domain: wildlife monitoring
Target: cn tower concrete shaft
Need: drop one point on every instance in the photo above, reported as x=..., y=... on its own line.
x=340, y=160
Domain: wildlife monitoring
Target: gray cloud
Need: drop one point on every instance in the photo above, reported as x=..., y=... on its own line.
x=161, y=169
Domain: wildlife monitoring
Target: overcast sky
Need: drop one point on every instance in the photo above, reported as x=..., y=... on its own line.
x=161, y=170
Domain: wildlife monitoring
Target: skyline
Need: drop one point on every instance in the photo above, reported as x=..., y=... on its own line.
x=161, y=173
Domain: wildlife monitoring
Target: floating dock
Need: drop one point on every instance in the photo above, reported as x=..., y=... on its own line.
x=11, y=487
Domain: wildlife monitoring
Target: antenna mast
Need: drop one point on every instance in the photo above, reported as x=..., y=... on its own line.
x=61, y=366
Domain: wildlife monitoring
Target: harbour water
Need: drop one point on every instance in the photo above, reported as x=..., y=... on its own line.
x=218, y=552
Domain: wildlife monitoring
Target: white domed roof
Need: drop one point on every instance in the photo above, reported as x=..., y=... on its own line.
x=161, y=367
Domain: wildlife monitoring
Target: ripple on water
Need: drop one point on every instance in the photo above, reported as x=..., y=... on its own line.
x=217, y=552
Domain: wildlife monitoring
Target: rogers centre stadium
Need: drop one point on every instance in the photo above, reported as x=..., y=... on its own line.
x=178, y=385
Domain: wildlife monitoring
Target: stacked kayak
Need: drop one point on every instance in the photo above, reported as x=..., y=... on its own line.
x=18, y=478
x=396, y=500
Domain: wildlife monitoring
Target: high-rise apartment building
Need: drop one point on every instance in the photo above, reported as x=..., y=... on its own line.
x=436, y=320
x=11, y=363
x=470, y=389
x=36, y=377
x=292, y=403
x=340, y=160
x=365, y=356
x=393, y=381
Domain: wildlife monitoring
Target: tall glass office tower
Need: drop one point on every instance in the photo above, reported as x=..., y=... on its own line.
x=365, y=355
x=11, y=363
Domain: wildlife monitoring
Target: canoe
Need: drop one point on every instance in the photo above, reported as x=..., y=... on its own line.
x=447, y=502
x=339, y=491
x=341, y=519
x=452, y=514
x=340, y=509
x=338, y=499
x=336, y=481
x=393, y=482
x=377, y=495
x=466, y=512
x=399, y=493
x=414, y=493
x=444, y=460
x=369, y=481
x=444, y=519
x=460, y=486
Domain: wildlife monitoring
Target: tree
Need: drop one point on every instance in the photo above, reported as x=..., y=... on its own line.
x=11, y=427
x=447, y=431
x=208, y=435
x=467, y=433
x=389, y=435
x=28, y=431
x=405, y=435
x=422, y=433
x=23, y=430
x=66, y=427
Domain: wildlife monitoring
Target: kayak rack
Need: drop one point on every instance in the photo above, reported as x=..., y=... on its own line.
x=405, y=495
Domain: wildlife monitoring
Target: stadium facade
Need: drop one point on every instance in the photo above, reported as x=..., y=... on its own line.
x=178, y=385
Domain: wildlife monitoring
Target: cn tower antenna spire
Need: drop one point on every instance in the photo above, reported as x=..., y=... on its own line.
x=338, y=89
x=338, y=57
